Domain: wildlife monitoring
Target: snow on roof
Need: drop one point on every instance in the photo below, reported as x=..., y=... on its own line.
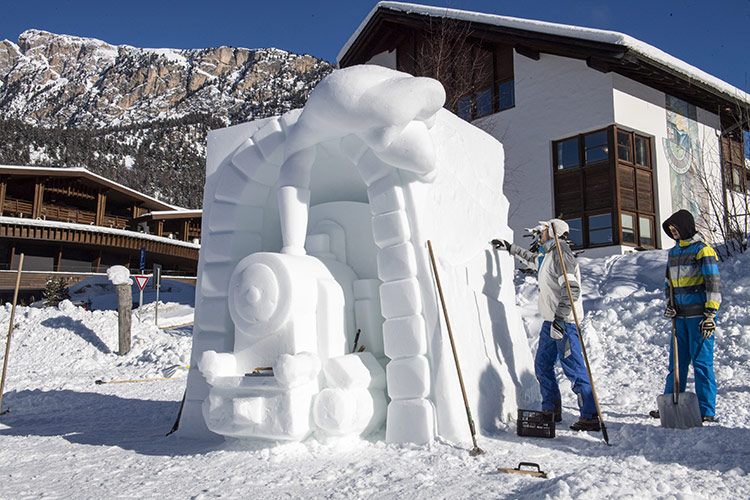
x=595, y=35
x=95, y=229
x=97, y=177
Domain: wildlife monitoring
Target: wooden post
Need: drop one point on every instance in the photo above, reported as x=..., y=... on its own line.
x=124, y=308
x=36, y=208
x=3, y=190
x=10, y=328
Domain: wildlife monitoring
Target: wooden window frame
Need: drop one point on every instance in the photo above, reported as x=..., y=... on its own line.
x=733, y=162
x=501, y=60
x=592, y=200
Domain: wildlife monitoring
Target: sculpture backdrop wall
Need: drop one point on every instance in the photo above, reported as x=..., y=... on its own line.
x=315, y=228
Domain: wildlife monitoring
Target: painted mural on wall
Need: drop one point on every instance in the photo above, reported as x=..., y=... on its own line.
x=683, y=150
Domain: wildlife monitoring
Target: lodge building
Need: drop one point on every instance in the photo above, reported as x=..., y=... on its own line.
x=600, y=129
x=74, y=223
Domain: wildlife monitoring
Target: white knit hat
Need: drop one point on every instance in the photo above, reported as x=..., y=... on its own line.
x=561, y=227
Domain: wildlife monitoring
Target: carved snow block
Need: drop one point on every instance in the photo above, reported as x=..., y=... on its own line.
x=386, y=195
x=249, y=160
x=397, y=262
x=390, y=229
x=270, y=141
x=230, y=246
x=410, y=421
x=404, y=337
x=400, y=298
x=408, y=378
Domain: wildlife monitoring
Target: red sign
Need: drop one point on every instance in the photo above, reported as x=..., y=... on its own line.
x=141, y=281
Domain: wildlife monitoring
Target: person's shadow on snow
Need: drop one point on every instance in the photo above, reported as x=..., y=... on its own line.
x=98, y=419
x=79, y=328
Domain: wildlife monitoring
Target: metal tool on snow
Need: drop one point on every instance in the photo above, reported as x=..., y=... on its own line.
x=518, y=470
x=476, y=450
x=580, y=336
x=100, y=382
x=679, y=410
x=10, y=331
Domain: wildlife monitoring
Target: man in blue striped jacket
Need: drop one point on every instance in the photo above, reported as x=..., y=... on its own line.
x=694, y=274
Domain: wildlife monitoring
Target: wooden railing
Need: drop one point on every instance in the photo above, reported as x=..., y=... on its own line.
x=21, y=208
x=115, y=221
x=51, y=212
x=17, y=208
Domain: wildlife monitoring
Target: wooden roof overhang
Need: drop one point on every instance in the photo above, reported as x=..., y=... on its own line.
x=387, y=28
x=116, y=193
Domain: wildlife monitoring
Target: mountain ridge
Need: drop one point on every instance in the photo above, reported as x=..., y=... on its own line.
x=138, y=115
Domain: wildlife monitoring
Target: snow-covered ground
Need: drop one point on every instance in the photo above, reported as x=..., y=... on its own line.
x=67, y=437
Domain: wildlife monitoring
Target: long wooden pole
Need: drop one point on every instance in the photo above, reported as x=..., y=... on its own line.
x=476, y=450
x=10, y=327
x=580, y=334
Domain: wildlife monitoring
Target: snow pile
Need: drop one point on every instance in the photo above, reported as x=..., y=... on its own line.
x=119, y=275
x=65, y=434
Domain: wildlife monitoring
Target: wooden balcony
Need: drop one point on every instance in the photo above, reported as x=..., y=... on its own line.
x=80, y=235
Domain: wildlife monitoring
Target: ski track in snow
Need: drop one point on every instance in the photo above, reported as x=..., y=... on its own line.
x=66, y=437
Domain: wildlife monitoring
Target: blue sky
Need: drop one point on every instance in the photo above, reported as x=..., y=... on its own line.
x=711, y=35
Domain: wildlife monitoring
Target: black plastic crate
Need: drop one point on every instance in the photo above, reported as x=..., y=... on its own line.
x=536, y=423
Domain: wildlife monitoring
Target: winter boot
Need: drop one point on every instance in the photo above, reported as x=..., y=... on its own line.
x=558, y=411
x=709, y=418
x=654, y=414
x=586, y=424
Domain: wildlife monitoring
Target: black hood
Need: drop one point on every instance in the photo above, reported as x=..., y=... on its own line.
x=683, y=221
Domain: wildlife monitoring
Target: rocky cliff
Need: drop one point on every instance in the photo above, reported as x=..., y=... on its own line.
x=138, y=115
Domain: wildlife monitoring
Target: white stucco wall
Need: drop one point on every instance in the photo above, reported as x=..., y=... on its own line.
x=556, y=97
x=642, y=109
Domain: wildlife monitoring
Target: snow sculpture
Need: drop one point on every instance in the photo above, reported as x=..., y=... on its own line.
x=315, y=227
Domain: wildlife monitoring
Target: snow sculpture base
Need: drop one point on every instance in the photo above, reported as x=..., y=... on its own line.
x=314, y=228
x=259, y=407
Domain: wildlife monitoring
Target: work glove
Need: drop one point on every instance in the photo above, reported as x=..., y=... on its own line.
x=501, y=245
x=557, y=331
x=708, y=323
x=670, y=312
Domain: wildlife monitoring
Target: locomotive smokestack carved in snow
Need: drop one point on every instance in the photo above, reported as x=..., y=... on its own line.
x=315, y=227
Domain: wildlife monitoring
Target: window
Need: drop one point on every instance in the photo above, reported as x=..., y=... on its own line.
x=628, y=227
x=567, y=154
x=733, y=155
x=596, y=148
x=646, y=231
x=484, y=103
x=575, y=235
x=642, y=151
x=492, y=73
x=600, y=229
x=464, y=108
x=603, y=183
x=507, y=92
x=624, y=146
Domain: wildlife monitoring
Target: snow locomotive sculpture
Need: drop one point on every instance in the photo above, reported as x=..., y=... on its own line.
x=314, y=239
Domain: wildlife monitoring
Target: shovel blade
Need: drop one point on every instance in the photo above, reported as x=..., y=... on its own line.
x=686, y=413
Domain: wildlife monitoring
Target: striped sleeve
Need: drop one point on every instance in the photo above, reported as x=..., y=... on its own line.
x=708, y=262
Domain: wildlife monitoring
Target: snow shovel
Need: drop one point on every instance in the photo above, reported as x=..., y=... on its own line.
x=679, y=410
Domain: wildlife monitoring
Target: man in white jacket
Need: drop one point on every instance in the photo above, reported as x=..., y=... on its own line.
x=558, y=338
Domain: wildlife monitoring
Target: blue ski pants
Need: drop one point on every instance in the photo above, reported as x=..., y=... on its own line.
x=693, y=348
x=568, y=351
